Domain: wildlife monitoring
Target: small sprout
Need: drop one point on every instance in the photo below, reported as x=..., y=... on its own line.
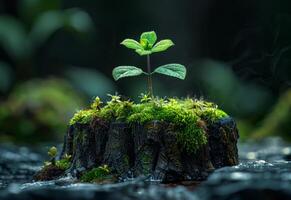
x=145, y=98
x=96, y=103
x=67, y=157
x=114, y=98
x=105, y=168
x=147, y=46
x=53, y=151
x=47, y=163
x=64, y=163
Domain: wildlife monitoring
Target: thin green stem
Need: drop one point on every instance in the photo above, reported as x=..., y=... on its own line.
x=150, y=81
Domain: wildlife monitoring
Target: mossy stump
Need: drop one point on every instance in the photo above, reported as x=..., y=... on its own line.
x=180, y=140
x=132, y=150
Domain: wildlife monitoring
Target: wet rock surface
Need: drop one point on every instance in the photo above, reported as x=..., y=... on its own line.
x=18, y=164
x=264, y=173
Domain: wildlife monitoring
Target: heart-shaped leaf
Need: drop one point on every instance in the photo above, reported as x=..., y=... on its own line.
x=131, y=44
x=150, y=36
x=174, y=70
x=126, y=71
x=162, y=45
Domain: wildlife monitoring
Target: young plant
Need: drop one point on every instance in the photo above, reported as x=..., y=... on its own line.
x=52, y=152
x=145, y=47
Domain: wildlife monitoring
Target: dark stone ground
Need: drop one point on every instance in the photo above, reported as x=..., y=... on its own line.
x=264, y=173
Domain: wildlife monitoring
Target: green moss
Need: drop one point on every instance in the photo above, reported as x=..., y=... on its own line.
x=184, y=115
x=212, y=114
x=84, y=116
x=63, y=164
x=207, y=111
x=116, y=109
x=96, y=104
x=96, y=174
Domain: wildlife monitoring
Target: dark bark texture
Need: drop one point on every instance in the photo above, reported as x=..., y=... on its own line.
x=152, y=150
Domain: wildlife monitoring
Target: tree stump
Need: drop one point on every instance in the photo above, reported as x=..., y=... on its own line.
x=150, y=150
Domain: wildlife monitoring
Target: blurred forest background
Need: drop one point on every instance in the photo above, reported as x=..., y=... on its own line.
x=56, y=55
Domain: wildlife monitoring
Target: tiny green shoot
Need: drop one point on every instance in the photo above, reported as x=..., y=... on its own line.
x=145, y=47
x=52, y=152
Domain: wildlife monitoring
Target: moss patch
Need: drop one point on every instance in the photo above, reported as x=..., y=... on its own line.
x=98, y=174
x=48, y=172
x=83, y=116
x=184, y=114
x=53, y=169
x=63, y=164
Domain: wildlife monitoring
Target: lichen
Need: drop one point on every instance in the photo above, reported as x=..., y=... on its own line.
x=184, y=114
x=98, y=174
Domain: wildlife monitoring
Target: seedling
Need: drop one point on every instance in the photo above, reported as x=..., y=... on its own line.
x=53, y=151
x=145, y=47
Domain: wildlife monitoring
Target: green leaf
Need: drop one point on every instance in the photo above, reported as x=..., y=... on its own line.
x=125, y=71
x=131, y=44
x=143, y=52
x=151, y=37
x=174, y=70
x=162, y=45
